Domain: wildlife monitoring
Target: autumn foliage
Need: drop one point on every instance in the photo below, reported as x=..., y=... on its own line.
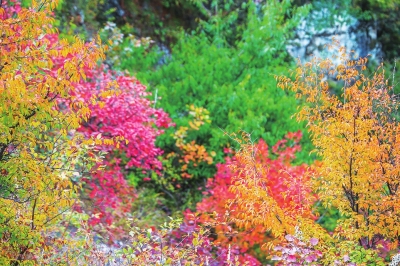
x=357, y=136
x=190, y=154
x=76, y=137
x=250, y=189
x=35, y=132
x=125, y=126
x=276, y=198
x=61, y=114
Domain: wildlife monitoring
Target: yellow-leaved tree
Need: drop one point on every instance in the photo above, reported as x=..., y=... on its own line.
x=357, y=135
x=38, y=149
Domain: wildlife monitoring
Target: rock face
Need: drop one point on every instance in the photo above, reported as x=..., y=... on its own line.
x=318, y=29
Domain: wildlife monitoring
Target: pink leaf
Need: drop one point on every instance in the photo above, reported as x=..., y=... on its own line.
x=311, y=258
x=313, y=241
x=289, y=238
x=291, y=258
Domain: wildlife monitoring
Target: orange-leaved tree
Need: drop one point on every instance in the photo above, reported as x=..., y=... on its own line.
x=357, y=135
x=250, y=189
x=38, y=150
x=270, y=193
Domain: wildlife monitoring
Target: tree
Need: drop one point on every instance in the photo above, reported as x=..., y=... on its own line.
x=236, y=204
x=357, y=137
x=38, y=150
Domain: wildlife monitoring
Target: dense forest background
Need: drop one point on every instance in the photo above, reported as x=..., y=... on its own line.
x=174, y=124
